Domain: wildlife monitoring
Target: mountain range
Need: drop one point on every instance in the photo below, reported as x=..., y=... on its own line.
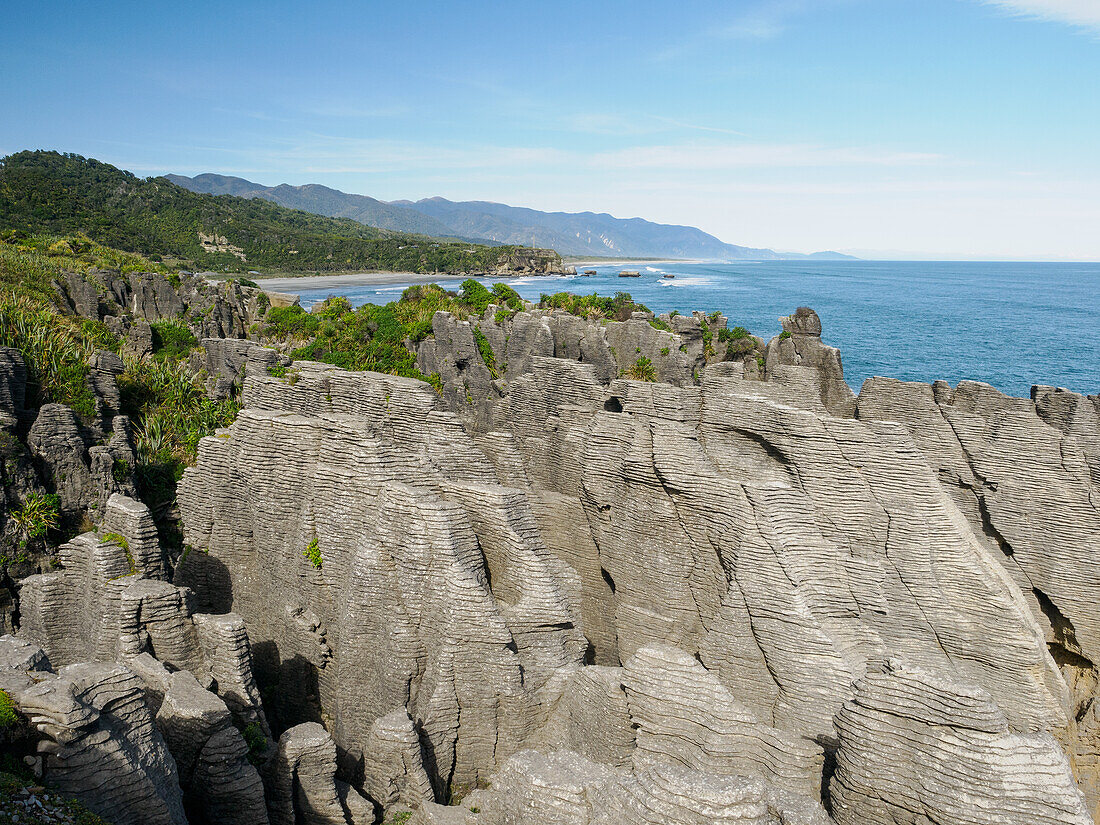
x=569, y=233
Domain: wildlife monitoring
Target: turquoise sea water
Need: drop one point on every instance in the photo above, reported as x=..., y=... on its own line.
x=1011, y=325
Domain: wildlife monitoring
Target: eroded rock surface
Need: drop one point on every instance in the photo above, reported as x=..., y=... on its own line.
x=582, y=587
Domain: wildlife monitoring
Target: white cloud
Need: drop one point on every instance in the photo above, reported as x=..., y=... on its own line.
x=1084, y=13
x=748, y=155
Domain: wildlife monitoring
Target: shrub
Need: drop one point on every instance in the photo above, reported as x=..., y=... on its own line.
x=593, y=306
x=475, y=295
x=9, y=716
x=507, y=296
x=784, y=335
x=313, y=554
x=487, y=354
x=735, y=334
x=120, y=470
x=253, y=736
x=40, y=513
x=641, y=370
x=172, y=339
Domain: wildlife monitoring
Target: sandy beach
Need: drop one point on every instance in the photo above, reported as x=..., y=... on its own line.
x=296, y=283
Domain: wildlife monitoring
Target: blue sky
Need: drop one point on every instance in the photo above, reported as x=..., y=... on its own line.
x=938, y=128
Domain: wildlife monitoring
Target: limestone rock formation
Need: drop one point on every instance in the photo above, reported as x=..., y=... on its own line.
x=554, y=594
x=304, y=788
x=580, y=587
x=98, y=740
x=913, y=744
x=219, y=783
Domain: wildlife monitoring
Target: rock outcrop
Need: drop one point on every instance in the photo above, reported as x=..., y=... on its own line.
x=553, y=594
x=619, y=601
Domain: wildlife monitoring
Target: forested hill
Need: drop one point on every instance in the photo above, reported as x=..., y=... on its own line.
x=50, y=192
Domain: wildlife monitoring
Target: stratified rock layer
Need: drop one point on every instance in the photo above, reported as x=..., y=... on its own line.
x=620, y=601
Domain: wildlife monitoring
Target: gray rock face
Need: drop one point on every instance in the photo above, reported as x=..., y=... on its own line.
x=912, y=743
x=679, y=586
x=98, y=740
x=13, y=381
x=563, y=596
x=1022, y=473
x=219, y=783
x=304, y=788
x=99, y=606
x=800, y=345
x=473, y=388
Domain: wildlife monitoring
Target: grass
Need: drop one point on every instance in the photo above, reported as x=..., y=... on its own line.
x=55, y=348
x=40, y=513
x=121, y=541
x=171, y=414
x=9, y=716
x=486, y=350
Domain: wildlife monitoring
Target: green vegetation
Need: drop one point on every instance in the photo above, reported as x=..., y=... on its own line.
x=171, y=414
x=253, y=736
x=784, y=335
x=9, y=716
x=56, y=350
x=121, y=541
x=39, y=514
x=313, y=554
x=374, y=337
x=735, y=334
x=641, y=370
x=172, y=339
x=400, y=818
x=487, y=354
x=593, y=306
x=66, y=194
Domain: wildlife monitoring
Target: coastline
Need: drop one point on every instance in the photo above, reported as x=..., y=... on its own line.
x=630, y=261
x=293, y=283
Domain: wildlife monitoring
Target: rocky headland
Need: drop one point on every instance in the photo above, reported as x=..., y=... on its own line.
x=602, y=570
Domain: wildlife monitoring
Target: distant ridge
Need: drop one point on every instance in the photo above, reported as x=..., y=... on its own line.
x=569, y=233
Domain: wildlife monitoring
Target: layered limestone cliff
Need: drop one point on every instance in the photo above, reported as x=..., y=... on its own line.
x=601, y=596
x=550, y=594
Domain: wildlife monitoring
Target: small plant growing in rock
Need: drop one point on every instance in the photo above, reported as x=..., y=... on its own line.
x=487, y=354
x=313, y=554
x=785, y=334
x=120, y=470
x=121, y=541
x=40, y=513
x=276, y=371
x=641, y=370
x=9, y=716
x=253, y=736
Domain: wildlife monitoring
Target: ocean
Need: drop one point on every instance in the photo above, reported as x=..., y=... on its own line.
x=1008, y=324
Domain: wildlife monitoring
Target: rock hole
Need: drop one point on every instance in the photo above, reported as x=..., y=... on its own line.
x=613, y=404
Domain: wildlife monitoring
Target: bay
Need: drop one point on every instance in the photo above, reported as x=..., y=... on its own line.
x=1008, y=324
